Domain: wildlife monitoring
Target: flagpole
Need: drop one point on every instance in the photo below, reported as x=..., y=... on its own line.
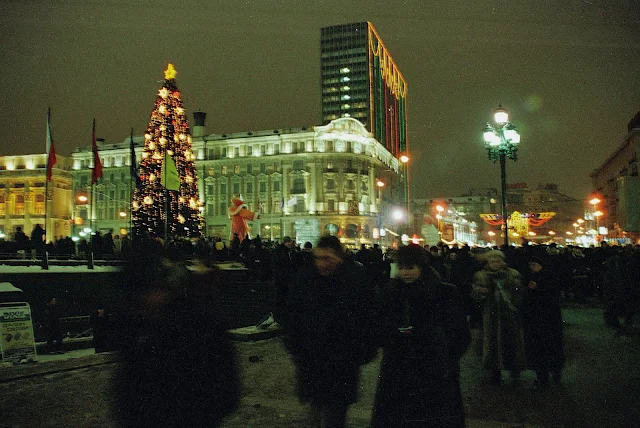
x=90, y=265
x=51, y=153
x=45, y=256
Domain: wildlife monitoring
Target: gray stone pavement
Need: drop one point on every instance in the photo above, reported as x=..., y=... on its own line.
x=601, y=387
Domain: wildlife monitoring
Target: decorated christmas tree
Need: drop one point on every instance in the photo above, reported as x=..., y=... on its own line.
x=168, y=191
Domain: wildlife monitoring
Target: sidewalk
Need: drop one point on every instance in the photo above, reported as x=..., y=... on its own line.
x=268, y=395
x=601, y=387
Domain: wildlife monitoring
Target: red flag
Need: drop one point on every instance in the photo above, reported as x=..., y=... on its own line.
x=51, y=150
x=96, y=172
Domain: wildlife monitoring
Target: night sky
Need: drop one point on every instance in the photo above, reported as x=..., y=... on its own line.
x=569, y=72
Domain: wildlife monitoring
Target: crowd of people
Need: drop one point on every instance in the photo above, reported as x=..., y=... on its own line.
x=104, y=245
x=338, y=308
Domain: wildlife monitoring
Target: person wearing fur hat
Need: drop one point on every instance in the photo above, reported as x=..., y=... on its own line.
x=500, y=289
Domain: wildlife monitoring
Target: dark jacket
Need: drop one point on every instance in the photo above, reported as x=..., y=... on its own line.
x=330, y=332
x=178, y=364
x=542, y=321
x=419, y=379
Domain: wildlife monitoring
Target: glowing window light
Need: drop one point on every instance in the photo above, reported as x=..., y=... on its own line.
x=345, y=88
x=344, y=70
x=345, y=79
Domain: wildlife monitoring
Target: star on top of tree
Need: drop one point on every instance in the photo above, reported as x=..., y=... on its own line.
x=170, y=72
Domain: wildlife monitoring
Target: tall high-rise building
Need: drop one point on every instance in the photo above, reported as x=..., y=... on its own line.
x=360, y=80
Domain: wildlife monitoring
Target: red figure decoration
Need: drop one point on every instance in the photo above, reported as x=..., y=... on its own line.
x=239, y=214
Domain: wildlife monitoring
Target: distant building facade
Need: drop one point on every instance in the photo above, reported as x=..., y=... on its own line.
x=106, y=206
x=463, y=213
x=359, y=79
x=618, y=184
x=23, y=180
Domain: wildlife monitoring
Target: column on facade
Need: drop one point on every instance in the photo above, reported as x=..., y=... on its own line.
x=285, y=198
x=340, y=190
x=313, y=180
x=285, y=188
x=28, y=209
x=358, y=193
x=373, y=190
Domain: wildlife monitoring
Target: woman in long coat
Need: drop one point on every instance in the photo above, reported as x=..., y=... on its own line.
x=542, y=318
x=424, y=332
x=501, y=291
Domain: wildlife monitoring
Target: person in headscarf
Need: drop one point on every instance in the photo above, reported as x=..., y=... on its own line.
x=501, y=291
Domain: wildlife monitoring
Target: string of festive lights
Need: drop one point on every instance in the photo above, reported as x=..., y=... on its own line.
x=167, y=133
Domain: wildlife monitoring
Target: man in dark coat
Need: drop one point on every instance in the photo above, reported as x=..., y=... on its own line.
x=425, y=333
x=330, y=332
x=284, y=275
x=542, y=321
x=37, y=239
x=52, y=326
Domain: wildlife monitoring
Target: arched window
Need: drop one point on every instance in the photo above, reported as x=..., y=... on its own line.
x=351, y=231
x=331, y=229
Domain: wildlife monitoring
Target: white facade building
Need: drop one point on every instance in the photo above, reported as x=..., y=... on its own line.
x=304, y=182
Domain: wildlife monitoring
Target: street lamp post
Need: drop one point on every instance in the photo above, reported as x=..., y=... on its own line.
x=501, y=141
x=380, y=185
x=407, y=201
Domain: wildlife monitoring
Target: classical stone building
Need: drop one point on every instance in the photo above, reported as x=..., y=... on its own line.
x=617, y=184
x=304, y=182
x=23, y=181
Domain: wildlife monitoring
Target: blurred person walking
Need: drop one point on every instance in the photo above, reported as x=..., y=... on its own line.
x=424, y=333
x=179, y=366
x=500, y=289
x=542, y=321
x=330, y=332
x=284, y=274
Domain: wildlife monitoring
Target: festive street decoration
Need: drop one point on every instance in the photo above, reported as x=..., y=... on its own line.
x=520, y=222
x=239, y=214
x=166, y=203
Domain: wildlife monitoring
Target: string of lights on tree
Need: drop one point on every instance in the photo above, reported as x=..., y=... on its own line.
x=167, y=132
